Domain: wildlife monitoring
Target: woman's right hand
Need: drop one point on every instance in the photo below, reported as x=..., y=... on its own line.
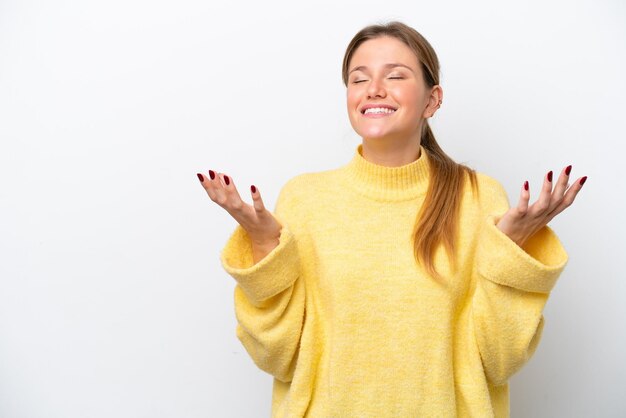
x=262, y=227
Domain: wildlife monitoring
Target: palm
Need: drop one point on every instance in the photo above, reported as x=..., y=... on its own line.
x=259, y=223
x=522, y=221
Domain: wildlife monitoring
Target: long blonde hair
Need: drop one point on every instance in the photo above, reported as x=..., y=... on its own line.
x=438, y=220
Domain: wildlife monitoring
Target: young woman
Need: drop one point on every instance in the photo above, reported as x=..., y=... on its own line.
x=400, y=284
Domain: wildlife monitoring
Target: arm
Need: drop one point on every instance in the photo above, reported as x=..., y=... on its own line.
x=269, y=295
x=512, y=288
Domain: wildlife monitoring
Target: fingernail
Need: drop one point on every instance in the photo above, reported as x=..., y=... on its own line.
x=583, y=180
x=550, y=176
x=212, y=174
x=526, y=185
x=200, y=177
x=226, y=179
x=253, y=188
x=568, y=169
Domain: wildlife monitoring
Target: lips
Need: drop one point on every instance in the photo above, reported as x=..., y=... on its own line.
x=378, y=115
x=373, y=105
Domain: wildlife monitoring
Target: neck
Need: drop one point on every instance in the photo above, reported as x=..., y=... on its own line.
x=390, y=154
x=392, y=151
x=385, y=182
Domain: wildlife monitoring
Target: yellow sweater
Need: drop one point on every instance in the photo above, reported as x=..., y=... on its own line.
x=349, y=325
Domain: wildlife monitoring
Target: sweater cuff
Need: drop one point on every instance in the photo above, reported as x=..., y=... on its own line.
x=268, y=277
x=535, y=268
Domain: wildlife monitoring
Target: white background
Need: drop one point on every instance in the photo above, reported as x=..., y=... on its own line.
x=113, y=302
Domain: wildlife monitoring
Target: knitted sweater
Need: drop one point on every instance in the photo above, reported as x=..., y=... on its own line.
x=349, y=325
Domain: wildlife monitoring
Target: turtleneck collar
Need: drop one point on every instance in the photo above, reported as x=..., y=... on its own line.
x=387, y=183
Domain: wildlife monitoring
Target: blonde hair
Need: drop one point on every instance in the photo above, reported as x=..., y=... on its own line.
x=438, y=220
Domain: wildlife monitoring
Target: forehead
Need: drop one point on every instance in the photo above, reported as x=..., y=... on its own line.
x=379, y=51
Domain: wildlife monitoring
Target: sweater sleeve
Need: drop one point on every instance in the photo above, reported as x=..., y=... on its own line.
x=512, y=288
x=269, y=295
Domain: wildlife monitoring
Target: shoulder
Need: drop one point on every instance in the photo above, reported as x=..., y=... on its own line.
x=489, y=185
x=297, y=188
x=307, y=183
x=491, y=193
x=300, y=195
x=307, y=190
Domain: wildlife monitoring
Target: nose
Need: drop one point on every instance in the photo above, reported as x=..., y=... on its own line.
x=376, y=89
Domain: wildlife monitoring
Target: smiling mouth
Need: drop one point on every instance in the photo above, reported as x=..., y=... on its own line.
x=377, y=111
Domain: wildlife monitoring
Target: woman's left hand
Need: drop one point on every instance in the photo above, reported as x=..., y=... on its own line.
x=522, y=221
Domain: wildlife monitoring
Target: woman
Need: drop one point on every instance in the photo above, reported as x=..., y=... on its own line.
x=401, y=284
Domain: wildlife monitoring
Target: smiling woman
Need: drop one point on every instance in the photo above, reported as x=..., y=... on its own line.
x=395, y=80
x=400, y=284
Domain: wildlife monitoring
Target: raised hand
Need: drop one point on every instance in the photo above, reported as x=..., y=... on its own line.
x=522, y=221
x=261, y=226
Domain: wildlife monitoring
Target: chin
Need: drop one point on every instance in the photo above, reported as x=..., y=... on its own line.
x=373, y=133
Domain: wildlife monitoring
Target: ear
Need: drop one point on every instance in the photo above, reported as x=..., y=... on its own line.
x=434, y=101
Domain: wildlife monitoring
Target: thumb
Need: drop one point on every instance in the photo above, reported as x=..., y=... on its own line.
x=257, y=201
x=524, y=197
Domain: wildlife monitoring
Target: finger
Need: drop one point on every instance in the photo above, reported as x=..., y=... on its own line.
x=222, y=181
x=214, y=188
x=560, y=187
x=205, y=181
x=524, y=197
x=541, y=206
x=257, y=201
x=202, y=180
x=232, y=195
x=570, y=195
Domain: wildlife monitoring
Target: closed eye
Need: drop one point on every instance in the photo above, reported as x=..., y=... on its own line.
x=391, y=78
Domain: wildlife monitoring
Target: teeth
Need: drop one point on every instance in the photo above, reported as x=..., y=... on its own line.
x=378, y=110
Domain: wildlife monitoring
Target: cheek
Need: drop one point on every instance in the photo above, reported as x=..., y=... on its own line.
x=410, y=99
x=352, y=98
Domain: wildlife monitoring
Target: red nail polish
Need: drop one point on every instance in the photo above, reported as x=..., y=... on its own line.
x=526, y=185
x=226, y=179
x=550, y=176
x=253, y=188
x=583, y=180
x=200, y=177
x=568, y=169
x=212, y=174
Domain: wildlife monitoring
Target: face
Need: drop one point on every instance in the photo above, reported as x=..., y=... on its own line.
x=372, y=80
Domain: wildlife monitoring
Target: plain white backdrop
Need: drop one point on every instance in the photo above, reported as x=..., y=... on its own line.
x=113, y=302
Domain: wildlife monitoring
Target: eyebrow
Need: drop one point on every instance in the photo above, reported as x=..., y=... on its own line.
x=390, y=65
